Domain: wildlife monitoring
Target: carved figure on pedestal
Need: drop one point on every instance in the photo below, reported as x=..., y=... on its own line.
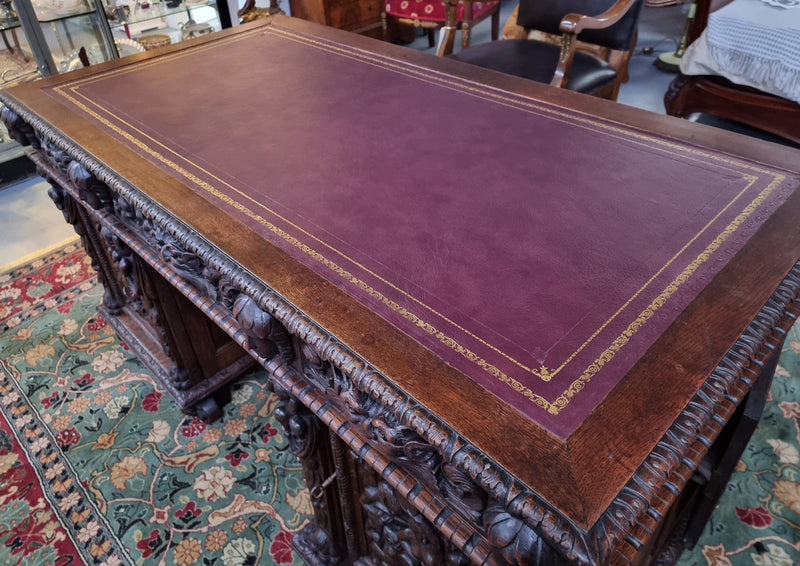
x=18, y=130
x=266, y=337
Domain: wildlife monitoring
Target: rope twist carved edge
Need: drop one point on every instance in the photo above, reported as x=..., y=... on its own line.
x=668, y=468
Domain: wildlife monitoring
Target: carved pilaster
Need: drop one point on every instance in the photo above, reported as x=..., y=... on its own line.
x=135, y=284
x=397, y=534
x=309, y=441
x=84, y=226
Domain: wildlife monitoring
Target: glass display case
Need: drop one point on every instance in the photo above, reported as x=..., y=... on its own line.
x=42, y=38
x=46, y=37
x=159, y=23
x=17, y=65
x=66, y=34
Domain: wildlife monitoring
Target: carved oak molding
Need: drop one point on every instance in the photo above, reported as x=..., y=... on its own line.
x=642, y=501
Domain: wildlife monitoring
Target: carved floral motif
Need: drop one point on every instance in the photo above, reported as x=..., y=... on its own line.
x=19, y=131
x=397, y=534
x=266, y=336
x=516, y=542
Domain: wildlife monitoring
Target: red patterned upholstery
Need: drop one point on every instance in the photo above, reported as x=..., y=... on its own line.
x=433, y=10
x=432, y=14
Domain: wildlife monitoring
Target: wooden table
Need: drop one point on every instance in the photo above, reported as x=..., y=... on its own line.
x=510, y=324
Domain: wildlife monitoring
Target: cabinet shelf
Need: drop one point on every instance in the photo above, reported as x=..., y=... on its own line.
x=9, y=26
x=161, y=19
x=155, y=11
x=60, y=17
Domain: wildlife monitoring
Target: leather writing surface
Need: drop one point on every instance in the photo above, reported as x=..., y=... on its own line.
x=538, y=250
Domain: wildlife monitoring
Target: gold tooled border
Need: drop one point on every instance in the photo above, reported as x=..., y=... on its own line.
x=70, y=92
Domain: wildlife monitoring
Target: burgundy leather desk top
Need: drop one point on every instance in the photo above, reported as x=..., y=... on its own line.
x=539, y=251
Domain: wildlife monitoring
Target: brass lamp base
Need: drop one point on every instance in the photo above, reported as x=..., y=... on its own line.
x=669, y=62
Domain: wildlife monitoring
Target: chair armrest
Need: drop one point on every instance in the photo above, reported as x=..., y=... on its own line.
x=575, y=23
x=572, y=24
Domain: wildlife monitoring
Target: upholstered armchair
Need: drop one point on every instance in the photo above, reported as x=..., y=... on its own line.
x=605, y=30
x=430, y=15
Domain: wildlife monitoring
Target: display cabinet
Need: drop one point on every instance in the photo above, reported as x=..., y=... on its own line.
x=66, y=34
x=158, y=23
x=46, y=37
x=17, y=65
x=15, y=62
x=42, y=38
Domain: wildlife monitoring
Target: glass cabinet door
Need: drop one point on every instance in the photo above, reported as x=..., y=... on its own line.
x=66, y=34
x=17, y=65
x=154, y=24
x=41, y=38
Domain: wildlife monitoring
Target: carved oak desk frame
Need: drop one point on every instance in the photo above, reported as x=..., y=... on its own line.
x=391, y=481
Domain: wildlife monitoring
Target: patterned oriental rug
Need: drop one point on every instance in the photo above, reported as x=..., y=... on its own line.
x=98, y=466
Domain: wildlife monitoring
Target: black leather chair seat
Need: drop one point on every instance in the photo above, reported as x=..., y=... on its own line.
x=537, y=61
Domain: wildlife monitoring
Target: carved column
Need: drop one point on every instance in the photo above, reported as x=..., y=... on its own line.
x=322, y=542
x=54, y=165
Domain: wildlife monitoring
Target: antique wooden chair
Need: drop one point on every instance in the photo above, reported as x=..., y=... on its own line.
x=430, y=15
x=607, y=33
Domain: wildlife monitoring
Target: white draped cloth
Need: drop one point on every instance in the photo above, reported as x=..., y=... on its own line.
x=751, y=42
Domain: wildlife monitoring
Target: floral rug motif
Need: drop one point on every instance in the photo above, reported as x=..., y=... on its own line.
x=29, y=529
x=100, y=464
x=46, y=282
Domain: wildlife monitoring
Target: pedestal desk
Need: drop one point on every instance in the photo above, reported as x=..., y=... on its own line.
x=509, y=324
